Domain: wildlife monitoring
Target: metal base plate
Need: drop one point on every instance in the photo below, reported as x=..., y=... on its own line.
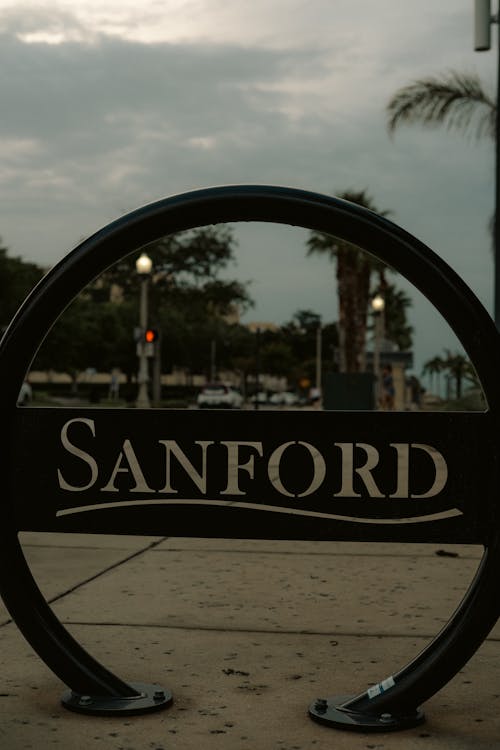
x=328, y=711
x=150, y=698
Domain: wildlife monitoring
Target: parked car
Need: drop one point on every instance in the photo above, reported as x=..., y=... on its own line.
x=283, y=398
x=259, y=398
x=219, y=396
x=25, y=394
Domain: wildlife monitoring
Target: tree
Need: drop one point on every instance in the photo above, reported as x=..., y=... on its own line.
x=276, y=358
x=187, y=302
x=17, y=278
x=300, y=334
x=456, y=365
x=186, y=264
x=354, y=270
x=456, y=100
x=89, y=335
x=460, y=368
x=434, y=367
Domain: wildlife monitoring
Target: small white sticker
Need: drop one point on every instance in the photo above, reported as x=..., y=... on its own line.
x=387, y=684
x=382, y=687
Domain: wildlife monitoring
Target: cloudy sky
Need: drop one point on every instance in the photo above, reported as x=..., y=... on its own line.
x=106, y=106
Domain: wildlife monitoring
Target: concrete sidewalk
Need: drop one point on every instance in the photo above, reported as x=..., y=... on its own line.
x=245, y=634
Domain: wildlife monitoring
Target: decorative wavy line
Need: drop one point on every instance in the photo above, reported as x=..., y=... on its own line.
x=442, y=515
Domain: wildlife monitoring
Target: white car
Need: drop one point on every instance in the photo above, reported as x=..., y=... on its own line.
x=283, y=398
x=25, y=394
x=259, y=398
x=219, y=396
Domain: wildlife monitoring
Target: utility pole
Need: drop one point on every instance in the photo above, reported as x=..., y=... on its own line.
x=318, y=357
x=143, y=373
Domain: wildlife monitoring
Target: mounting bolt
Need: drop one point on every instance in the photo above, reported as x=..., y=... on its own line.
x=386, y=717
x=159, y=695
x=85, y=700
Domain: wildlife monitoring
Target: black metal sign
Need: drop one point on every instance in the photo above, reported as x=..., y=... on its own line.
x=336, y=475
x=256, y=475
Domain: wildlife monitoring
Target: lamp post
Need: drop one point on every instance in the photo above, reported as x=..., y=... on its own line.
x=482, y=42
x=257, y=367
x=143, y=265
x=319, y=364
x=378, y=307
x=213, y=360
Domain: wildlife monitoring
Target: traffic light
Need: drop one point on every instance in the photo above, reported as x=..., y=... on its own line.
x=150, y=335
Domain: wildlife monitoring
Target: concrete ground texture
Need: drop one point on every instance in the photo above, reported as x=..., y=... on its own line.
x=246, y=634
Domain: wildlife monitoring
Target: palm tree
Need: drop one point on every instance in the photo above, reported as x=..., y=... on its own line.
x=456, y=365
x=354, y=269
x=460, y=369
x=434, y=367
x=456, y=100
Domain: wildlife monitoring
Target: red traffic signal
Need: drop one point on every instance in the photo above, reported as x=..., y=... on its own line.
x=150, y=335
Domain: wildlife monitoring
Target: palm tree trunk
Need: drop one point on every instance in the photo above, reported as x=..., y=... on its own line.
x=353, y=283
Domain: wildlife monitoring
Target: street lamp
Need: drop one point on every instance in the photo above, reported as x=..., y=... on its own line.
x=319, y=355
x=257, y=367
x=378, y=303
x=143, y=265
x=378, y=307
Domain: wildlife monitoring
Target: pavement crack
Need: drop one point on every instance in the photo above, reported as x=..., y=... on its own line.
x=94, y=577
x=257, y=631
x=320, y=553
x=102, y=572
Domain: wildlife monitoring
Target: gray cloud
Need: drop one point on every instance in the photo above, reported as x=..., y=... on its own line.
x=95, y=126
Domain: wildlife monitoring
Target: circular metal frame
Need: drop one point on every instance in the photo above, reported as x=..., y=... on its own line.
x=478, y=612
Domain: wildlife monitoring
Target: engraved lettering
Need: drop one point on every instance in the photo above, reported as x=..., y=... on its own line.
x=403, y=470
x=234, y=466
x=199, y=479
x=294, y=469
x=364, y=472
x=441, y=476
x=273, y=469
x=79, y=453
x=132, y=468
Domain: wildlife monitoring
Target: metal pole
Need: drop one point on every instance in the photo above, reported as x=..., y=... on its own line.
x=257, y=367
x=213, y=360
x=378, y=307
x=318, y=358
x=157, y=371
x=497, y=194
x=376, y=360
x=143, y=375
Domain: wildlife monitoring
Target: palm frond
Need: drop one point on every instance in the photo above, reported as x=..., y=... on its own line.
x=362, y=198
x=456, y=100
